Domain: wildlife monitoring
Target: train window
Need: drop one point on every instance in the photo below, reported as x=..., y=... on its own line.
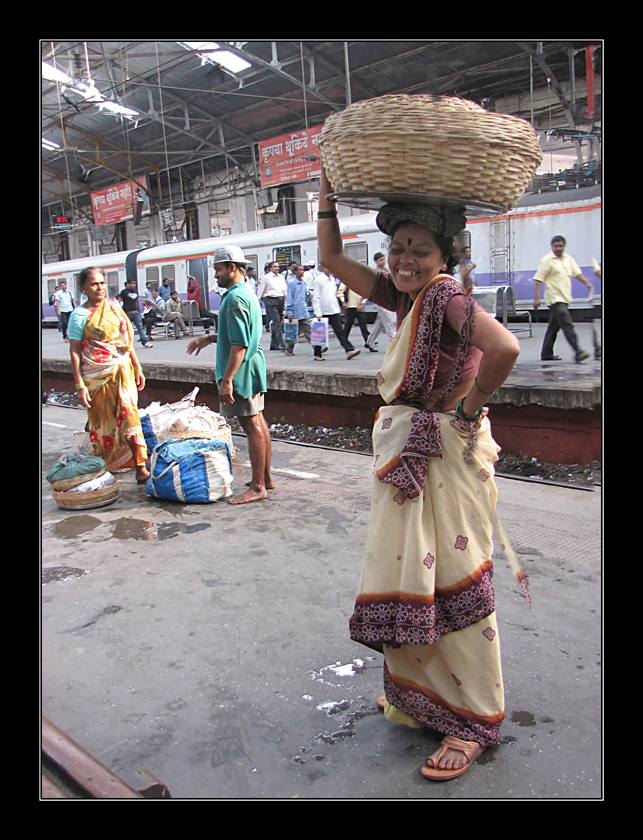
x=286, y=254
x=152, y=275
x=463, y=239
x=112, y=283
x=168, y=271
x=253, y=262
x=357, y=250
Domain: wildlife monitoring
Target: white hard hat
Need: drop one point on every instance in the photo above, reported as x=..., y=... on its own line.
x=230, y=253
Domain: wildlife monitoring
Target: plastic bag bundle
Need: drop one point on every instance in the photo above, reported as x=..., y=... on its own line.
x=73, y=465
x=156, y=418
x=194, y=470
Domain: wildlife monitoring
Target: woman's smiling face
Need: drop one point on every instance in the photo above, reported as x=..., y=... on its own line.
x=414, y=258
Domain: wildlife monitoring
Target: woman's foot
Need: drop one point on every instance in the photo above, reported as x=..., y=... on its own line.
x=141, y=475
x=451, y=759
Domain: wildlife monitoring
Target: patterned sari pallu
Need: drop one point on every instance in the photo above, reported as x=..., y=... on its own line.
x=425, y=596
x=108, y=373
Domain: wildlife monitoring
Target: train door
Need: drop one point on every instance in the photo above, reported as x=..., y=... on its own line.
x=500, y=256
x=198, y=268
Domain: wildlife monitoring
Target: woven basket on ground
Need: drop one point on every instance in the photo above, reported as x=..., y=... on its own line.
x=437, y=145
x=99, y=491
x=69, y=483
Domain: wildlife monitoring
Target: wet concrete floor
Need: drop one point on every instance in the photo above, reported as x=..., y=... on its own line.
x=209, y=644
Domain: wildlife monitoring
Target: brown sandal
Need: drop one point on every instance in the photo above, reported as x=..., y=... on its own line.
x=471, y=749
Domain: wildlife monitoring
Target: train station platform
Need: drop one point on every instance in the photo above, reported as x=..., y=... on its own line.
x=547, y=410
x=208, y=644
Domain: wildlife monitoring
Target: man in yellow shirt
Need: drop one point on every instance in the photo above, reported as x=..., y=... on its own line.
x=555, y=271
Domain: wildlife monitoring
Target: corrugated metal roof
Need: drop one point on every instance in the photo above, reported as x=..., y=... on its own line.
x=193, y=115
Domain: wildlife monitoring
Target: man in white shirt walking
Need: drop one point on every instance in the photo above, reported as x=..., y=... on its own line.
x=326, y=305
x=272, y=289
x=64, y=306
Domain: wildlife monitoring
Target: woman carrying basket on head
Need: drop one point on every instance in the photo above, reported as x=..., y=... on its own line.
x=425, y=596
x=108, y=374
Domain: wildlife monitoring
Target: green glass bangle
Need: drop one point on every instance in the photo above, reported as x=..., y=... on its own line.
x=327, y=214
x=486, y=393
x=459, y=412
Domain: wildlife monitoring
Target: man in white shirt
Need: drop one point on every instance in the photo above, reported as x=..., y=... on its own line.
x=272, y=289
x=64, y=306
x=385, y=320
x=155, y=311
x=326, y=305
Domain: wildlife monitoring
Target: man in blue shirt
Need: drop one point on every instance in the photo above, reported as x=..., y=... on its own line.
x=165, y=290
x=297, y=307
x=241, y=366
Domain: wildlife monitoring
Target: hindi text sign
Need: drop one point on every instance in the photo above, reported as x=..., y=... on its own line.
x=283, y=158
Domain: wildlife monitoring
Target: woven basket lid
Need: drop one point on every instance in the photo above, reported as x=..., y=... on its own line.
x=440, y=146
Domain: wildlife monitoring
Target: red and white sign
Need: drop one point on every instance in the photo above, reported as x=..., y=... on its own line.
x=115, y=204
x=283, y=158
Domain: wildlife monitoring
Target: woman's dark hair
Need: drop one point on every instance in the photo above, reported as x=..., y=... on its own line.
x=85, y=274
x=448, y=251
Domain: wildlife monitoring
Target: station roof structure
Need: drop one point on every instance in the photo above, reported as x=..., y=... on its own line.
x=113, y=110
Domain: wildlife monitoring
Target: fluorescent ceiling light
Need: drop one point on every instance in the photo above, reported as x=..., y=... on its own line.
x=117, y=109
x=49, y=144
x=210, y=53
x=54, y=75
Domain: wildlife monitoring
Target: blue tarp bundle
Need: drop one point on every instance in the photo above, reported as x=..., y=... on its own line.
x=194, y=470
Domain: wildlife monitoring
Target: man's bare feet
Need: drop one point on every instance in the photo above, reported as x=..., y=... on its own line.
x=268, y=483
x=249, y=496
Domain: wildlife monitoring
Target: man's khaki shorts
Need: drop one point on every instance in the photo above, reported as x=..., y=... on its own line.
x=243, y=408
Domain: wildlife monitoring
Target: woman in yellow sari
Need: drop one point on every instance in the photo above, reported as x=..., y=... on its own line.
x=107, y=374
x=425, y=597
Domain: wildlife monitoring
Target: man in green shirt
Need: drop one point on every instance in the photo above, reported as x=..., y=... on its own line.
x=241, y=366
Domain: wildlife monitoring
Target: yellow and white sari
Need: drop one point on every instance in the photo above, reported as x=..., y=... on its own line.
x=107, y=371
x=425, y=596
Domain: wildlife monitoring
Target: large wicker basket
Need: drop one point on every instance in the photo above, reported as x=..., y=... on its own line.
x=437, y=145
x=94, y=492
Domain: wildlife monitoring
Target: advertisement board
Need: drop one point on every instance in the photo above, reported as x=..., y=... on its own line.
x=116, y=203
x=283, y=158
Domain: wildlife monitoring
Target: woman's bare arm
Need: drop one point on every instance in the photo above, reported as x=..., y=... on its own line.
x=500, y=350
x=357, y=276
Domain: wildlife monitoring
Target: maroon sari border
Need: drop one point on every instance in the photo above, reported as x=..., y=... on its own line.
x=433, y=711
x=402, y=619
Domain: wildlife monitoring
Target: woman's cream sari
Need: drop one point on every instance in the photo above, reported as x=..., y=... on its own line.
x=425, y=595
x=107, y=371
